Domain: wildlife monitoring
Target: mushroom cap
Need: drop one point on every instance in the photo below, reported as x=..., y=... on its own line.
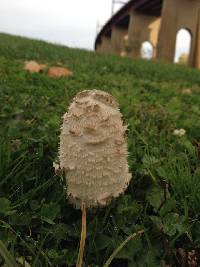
x=93, y=150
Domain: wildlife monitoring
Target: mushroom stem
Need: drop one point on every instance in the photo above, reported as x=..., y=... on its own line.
x=83, y=237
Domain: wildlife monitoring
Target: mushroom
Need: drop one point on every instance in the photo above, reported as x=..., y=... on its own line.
x=93, y=153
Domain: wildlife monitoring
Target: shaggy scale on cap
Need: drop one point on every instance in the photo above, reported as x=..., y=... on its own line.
x=93, y=150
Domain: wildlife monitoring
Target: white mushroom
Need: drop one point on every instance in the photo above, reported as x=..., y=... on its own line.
x=93, y=150
x=93, y=153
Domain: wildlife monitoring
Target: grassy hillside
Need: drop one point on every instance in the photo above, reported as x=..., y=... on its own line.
x=36, y=221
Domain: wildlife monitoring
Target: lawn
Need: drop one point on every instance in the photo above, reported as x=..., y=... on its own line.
x=37, y=224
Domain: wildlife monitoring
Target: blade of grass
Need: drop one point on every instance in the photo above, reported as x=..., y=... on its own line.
x=114, y=254
x=9, y=259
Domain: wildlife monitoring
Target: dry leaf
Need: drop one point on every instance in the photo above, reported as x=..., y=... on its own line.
x=187, y=91
x=23, y=262
x=56, y=72
x=16, y=143
x=33, y=67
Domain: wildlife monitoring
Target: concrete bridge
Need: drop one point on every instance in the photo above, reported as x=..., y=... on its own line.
x=155, y=21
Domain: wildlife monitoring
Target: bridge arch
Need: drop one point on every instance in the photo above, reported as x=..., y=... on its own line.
x=142, y=28
x=178, y=14
x=182, y=53
x=157, y=21
x=147, y=50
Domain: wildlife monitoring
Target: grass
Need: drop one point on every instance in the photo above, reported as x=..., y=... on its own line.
x=37, y=224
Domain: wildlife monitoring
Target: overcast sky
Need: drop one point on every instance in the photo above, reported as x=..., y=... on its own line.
x=69, y=22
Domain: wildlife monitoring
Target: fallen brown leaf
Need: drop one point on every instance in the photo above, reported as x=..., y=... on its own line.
x=33, y=67
x=16, y=143
x=187, y=91
x=56, y=72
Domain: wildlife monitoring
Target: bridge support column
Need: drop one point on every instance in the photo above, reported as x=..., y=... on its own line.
x=178, y=14
x=142, y=28
x=105, y=46
x=196, y=61
x=118, y=40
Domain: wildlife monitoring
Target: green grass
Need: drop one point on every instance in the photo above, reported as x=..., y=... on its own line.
x=37, y=224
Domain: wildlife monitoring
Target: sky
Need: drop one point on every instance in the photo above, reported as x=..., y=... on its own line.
x=69, y=22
